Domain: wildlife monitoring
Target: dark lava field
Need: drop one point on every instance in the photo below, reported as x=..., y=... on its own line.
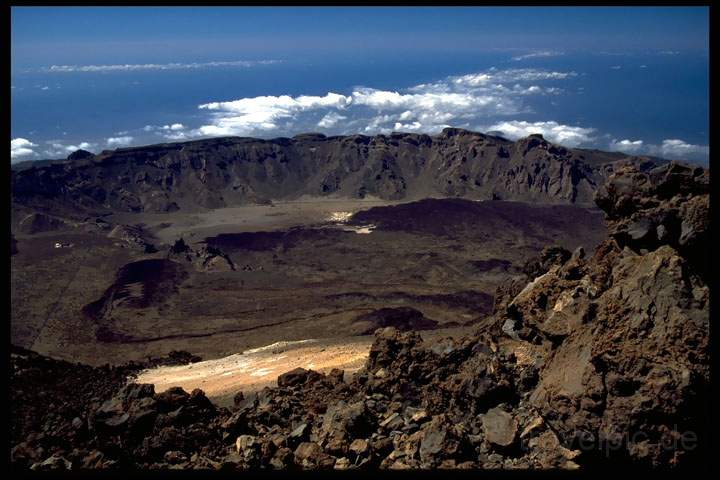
x=108, y=301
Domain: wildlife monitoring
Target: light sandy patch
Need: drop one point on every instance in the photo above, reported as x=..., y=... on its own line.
x=340, y=216
x=279, y=347
x=195, y=226
x=360, y=230
x=257, y=368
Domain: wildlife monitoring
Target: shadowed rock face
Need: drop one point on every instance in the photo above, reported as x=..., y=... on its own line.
x=667, y=205
x=233, y=171
x=600, y=360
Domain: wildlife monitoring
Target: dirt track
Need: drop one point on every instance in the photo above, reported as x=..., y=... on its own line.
x=255, y=369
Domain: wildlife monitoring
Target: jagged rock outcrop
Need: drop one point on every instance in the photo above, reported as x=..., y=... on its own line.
x=628, y=328
x=207, y=258
x=132, y=235
x=667, y=205
x=231, y=171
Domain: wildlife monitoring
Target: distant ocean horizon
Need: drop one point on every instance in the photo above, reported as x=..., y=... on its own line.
x=653, y=103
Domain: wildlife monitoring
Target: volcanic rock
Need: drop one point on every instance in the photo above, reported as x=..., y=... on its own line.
x=342, y=419
x=293, y=377
x=311, y=455
x=359, y=446
x=220, y=172
x=55, y=462
x=499, y=427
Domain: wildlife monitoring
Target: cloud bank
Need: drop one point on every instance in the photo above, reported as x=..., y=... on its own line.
x=627, y=146
x=539, y=54
x=56, y=148
x=671, y=148
x=21, y=147
x=153, y=66
x=119, y=141
x=557, y=133
x=674, y=148
x=489, y=101
x=460, y=101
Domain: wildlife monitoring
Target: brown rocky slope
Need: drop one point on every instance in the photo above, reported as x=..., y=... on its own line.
x=598, y=361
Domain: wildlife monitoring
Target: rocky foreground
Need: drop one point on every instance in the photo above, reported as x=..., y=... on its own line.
x=591, y=361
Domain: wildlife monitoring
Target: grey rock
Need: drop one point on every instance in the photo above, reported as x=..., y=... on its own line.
x=499, y=427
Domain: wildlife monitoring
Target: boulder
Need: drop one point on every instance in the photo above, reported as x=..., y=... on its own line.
x=293, y=377
x=110, y=417
x=282, y=459
x=172, y=397
x=55, y=462
x=174, y=457
x=433, y=442
x=342, y=463
x=309, y=455
x=352, y=419
x=393, y=422
x=245, y=443
x=499, y=427
x=359, y=447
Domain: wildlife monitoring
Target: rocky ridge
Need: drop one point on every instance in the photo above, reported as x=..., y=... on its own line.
x=233, y=171
x=598, y=360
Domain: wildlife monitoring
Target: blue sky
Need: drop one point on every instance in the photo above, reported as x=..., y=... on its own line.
x=633, y=79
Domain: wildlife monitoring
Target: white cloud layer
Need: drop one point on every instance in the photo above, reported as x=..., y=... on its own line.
x=58, y=149
x=176, y=131
x=153, y=66
x=460, y=101
x=119, y=141
x=538, y=54
x=553, y=131
x=330, y=120
x=671, y=148
x=247, y=115
x=674, y=148
x=627, y=146
x=21, y=147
